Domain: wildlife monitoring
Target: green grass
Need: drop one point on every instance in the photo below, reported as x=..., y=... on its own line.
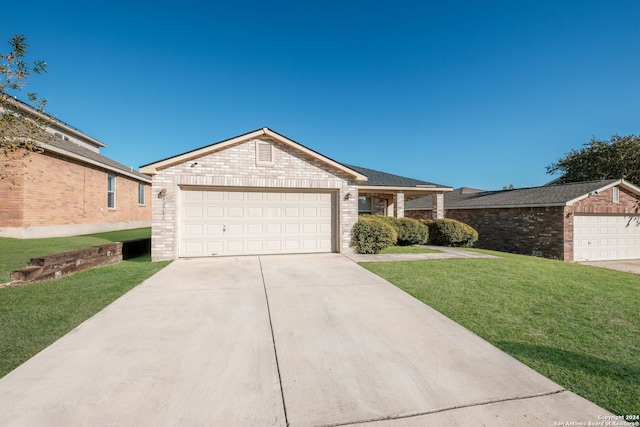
x=16, y=253
x=36, y=315
x=408, y=250
x=575, y=324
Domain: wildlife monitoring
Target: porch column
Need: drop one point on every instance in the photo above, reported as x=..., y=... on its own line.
x=437, y=201
x=398, y=201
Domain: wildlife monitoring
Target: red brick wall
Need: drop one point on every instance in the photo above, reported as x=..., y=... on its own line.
x=543, y=231
x=60, y=191
x=11, y=198
x=527, y=231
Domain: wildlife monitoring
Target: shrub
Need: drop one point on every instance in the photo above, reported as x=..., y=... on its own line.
x=371, y=235
x=410, y=231
x=449, y=232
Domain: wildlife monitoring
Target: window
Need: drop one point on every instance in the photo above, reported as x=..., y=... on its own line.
x=264, y=153
x=364, y=205
x=141, y=193
x=111, y=191
x=616, y=195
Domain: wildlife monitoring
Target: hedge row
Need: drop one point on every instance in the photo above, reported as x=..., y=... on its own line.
x=374, y=233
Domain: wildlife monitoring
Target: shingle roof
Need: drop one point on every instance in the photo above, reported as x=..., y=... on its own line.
x=383, y=179
x=548, y=195
x=83, y=152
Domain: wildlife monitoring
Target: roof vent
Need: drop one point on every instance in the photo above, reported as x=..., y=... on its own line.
x=264, y=153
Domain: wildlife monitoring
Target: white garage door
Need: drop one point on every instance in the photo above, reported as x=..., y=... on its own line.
x=252, y=222
x=605, y=237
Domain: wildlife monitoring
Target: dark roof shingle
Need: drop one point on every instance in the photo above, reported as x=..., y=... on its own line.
x=548, y=195
x=383, y=179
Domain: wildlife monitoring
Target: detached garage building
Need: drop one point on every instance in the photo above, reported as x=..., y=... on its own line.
x=262, y=193
x=583, y=221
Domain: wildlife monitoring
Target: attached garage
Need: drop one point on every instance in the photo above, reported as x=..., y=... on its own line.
x=245, y=222
x=255, y=194
x=578, y=221
x=262, y=193
x=606, y=237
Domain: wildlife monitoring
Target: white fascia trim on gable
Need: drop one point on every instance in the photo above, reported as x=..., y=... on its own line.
x=620, y=182
x=152, y=169
x=93, y=162
x=53, y=122
x=358, y=176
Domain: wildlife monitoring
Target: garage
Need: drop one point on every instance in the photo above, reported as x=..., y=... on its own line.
x=606, y=237
x=222, y=222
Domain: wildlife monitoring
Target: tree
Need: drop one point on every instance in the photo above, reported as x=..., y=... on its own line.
x=21, y=126
x=601, y=159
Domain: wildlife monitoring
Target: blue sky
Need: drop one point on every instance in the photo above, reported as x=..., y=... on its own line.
x=461, y=93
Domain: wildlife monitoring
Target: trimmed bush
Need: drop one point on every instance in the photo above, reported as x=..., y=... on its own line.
x=371, y=235
x=449, y=232
x=410, y=231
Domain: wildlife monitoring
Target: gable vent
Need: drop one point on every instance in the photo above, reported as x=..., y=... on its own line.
x=264, y=152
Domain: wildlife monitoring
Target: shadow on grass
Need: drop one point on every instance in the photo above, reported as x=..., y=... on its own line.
x=573, y=361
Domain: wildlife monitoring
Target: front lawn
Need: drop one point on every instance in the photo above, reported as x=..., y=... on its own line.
x=34, y=316
x=575, y=324
x=16, y=253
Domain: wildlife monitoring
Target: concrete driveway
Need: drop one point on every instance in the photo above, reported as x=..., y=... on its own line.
x=299, y=340
x=626, y=265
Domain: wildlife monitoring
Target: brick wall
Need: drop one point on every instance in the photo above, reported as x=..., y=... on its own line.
x=235, y=167
x=541, y=231
x=11, y=197
x=528, y=231
x=59, y=191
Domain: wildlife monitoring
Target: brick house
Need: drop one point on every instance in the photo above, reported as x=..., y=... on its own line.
x=71, y=189
x=597, y=220
x=263, y=193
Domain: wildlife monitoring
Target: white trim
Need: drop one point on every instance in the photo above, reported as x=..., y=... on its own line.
x=69, y=154
x=154, y=168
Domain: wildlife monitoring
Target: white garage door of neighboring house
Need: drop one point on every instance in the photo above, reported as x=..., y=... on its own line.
x=255, y=222
x=605, y=237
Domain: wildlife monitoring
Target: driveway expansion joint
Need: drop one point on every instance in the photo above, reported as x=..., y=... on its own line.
x=273, y=340
x=446, y=409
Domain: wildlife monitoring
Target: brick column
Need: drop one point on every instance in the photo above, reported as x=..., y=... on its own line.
x=437, y=201
x=398, y=201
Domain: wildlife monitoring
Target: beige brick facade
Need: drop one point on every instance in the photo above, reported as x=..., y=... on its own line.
x=61, y=196
x=235, y=167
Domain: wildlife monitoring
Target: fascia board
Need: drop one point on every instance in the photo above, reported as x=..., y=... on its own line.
x=386, y=188
x=93, y=162
x=153, y=168
x=52, y=121
x=357, y=176
x=604, y=187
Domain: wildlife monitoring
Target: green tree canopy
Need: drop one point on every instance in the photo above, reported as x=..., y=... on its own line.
x=21, y=126
x=600, y=159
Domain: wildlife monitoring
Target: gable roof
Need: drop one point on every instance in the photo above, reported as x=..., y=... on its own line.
x=71, y=149
x=547, y=195
x=85, y=155
x=153, y=168
x=383, y=179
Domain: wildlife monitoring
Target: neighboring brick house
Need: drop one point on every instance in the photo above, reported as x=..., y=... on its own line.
x=263, y=193
x=70, y=189
x=598, y=220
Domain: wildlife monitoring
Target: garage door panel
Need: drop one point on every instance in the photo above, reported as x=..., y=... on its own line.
x=235, y=212
x=215, y=212
x=237, y=222
x=291, y=228
x=193, y=230
x=606, y=237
